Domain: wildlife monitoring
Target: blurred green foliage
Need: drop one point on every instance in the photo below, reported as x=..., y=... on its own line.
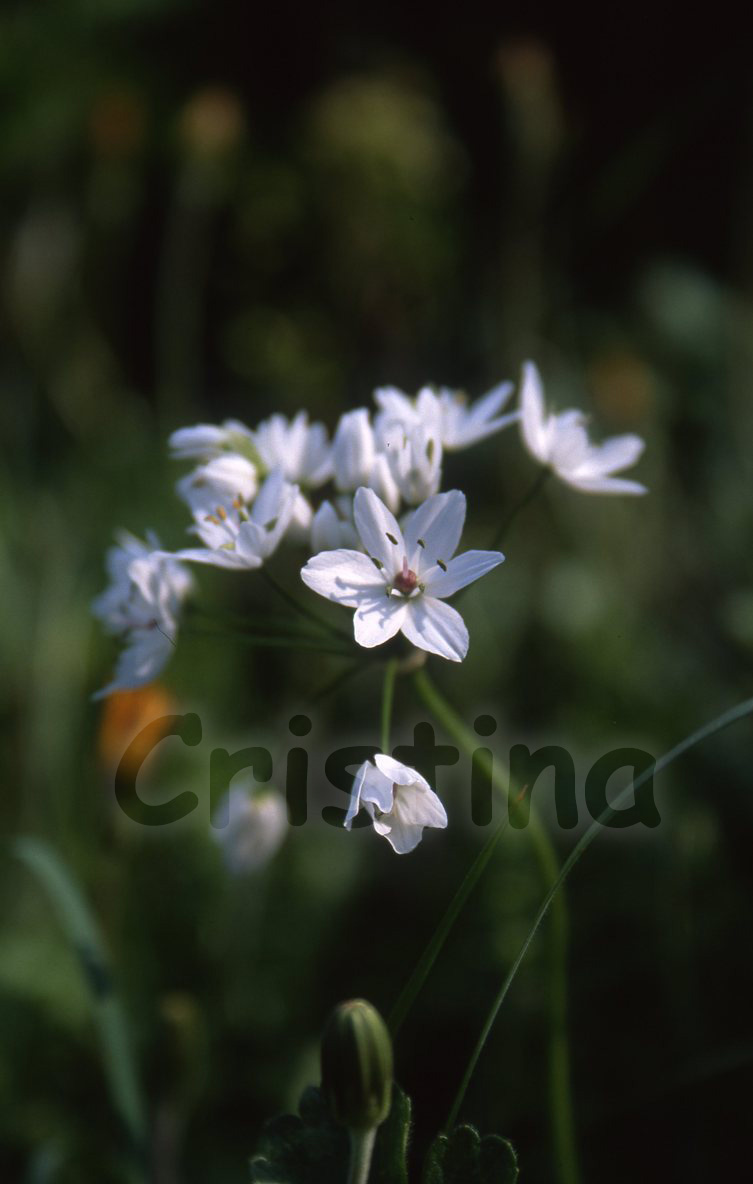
x=198, y=222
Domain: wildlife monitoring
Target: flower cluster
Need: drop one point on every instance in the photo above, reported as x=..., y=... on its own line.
x=364, y=505
x=378, y=535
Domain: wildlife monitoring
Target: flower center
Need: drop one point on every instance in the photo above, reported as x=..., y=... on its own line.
x=406, y=581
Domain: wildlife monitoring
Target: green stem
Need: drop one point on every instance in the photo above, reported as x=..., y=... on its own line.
x=410, y=991
x=725, y=720
x=301, y=608
x=388, y=695
x=270, y=641
x=532, y=492
x=560, y=1108
x=361, y=1148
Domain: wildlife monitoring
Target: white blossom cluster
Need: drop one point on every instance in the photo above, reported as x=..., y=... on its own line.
x=364, y=505
x=379, y=537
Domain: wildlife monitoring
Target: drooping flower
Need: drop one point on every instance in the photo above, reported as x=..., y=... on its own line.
x=399, y=585
x=400, y=801
x=560, y=441
x=256, y=826
x=447, y=413
x=237, y=536
x=142, y=604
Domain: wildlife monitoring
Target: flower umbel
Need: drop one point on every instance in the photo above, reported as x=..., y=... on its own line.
x=400, y=801
x=399, y=585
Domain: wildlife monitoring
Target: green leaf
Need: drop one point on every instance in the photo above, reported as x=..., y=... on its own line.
x=82, y=931
x=465, y=1158
x=310, y=1149
x=313, y=1149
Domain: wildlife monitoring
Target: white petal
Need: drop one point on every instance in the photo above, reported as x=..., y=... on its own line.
x=346, y=577
x=463, y=426
x=395, y=404
x=614, y=454
x=216, y=558
x=398, y=773
x=251, y=544
x=200, y=440
x=401, y=838
x=353, y=450
x=413, y=810
x=533, y=413
x=489, y=404
x=438, y=524
x=376, y=788
x=417, y=805
x=604, y=484
x=377, y=620
x=381, y=480
x=144, y=657
x=271, y=496
x=462, y=570
x=330, y=531
x=379, y=531
x=436, y=627
x=355, y=797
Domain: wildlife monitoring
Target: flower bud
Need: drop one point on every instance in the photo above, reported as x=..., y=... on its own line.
x=357, y=1065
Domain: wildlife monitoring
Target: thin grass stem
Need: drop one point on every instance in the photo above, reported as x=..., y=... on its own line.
x=560, y=1103
x=725, y=720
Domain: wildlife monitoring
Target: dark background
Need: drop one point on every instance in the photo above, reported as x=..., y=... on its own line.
x=215, y=210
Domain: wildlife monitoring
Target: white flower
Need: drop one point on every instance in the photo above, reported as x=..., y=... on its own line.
x=332, y=526
x=142, y=603
x=357, y=459
x=227, y=478
x=400, y=583
x=204, y=441
x=304, y=454
x=414, y=455
x=237, y=537
x=447, y=413
x=561, y=442
x=299, y=448
x=399, y=800
x=255, y=830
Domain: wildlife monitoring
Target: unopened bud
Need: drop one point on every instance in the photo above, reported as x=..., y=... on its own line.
x=357, y=1065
